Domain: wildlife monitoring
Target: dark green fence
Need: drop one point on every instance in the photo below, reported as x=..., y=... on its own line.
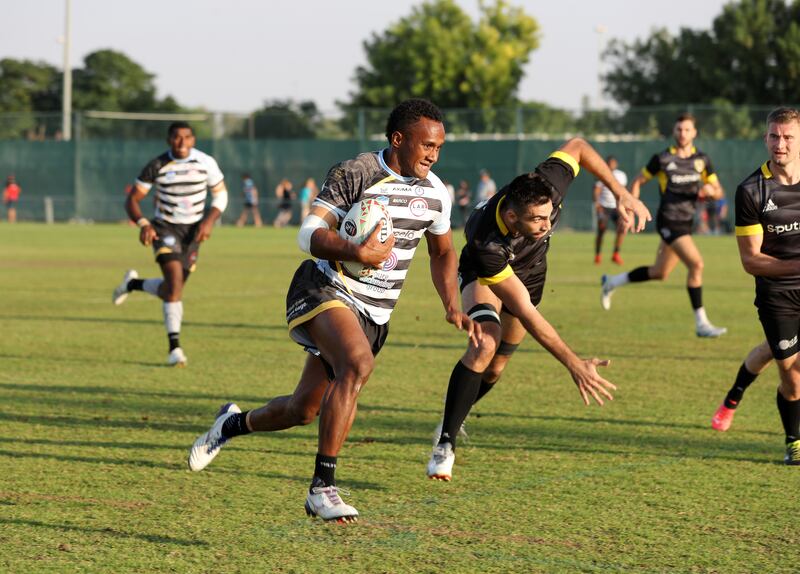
x=86, y=179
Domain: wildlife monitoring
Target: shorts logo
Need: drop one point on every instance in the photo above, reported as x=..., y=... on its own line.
x=390, y=263
x=350, y=228
x=418, y=207
x=665, y=232
x=170, y=241
x=785, y=344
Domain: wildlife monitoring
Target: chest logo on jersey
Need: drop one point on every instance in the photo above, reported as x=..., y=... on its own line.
x=770, y=206
x=670, y=166
x=699, y=165
x=418, y=207
x=170, y=175
x=419, y=190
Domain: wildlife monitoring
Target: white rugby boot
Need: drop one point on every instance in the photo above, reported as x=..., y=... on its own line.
x=325, y=502
x=121, y=291
x=207, y=445
x=461, y=435
x=709, y=330
x=177, y=358
x=606, y=290
x=440, y=466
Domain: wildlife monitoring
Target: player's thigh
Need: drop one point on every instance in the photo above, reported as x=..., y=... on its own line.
x=687, y=251
x=483, y=306
x=666, y=259
x=341, y=341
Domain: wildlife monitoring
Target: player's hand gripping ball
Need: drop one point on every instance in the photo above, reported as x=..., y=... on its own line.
x=359, y=223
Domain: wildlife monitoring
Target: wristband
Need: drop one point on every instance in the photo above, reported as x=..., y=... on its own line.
x=142, y=222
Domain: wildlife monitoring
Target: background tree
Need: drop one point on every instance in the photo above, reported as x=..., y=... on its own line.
x=439, y=53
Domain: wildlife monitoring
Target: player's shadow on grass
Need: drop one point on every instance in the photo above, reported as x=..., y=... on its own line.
x=156, y=538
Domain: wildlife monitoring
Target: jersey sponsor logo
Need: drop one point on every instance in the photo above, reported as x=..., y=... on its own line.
x=404, y=234
x=350, y=227
x=382, y=199
x=170, y=175
x=785, y=344
x=779, y=229
x=419, y=190
x=390, y=263
x=399, y=201
x=418, y=207
x=770, y=206
x=700, y=165
x=678, y=179
x=671, y=165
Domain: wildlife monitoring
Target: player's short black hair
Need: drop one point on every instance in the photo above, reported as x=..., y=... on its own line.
x=177, y=126
x=687, y=116
x=409, y=112
x=528, y=189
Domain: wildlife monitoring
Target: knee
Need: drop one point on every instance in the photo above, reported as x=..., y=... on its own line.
x=698, y=266
x=356, y=370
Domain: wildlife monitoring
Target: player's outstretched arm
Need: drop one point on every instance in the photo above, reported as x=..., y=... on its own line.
x=132, y=206
x=633, y=212
x=444, y=274
x=584, y=373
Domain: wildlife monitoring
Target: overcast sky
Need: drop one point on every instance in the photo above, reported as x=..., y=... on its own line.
x=234, y=55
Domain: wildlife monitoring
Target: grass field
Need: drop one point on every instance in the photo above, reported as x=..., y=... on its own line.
x=95, y=428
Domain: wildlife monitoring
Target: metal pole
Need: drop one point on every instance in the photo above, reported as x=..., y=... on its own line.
x=48, y=210
x=66, y=97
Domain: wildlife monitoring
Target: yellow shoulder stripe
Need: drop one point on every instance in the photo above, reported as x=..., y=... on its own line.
x=567, y=159
x=646, y=174
x=504, y=274
x=745, y=230
x=765, y=171
x=710, y=178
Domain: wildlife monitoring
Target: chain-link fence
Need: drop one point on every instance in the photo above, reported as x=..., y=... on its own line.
x=531, y=121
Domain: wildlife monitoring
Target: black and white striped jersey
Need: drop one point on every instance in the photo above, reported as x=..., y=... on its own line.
x=415, y=206
x=181, y=185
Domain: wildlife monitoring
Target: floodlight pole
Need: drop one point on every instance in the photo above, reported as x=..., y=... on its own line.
x=66, y=96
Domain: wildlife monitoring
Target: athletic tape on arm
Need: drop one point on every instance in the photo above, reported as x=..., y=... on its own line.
x=220, y=200
x=310, y=224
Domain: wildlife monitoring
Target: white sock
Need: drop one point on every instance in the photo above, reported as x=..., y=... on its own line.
x=173, y=315
x=151, y=286
x=700, y=316
x=618, y=280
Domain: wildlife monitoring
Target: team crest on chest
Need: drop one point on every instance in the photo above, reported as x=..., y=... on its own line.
x=418, y=207
x=699, y=165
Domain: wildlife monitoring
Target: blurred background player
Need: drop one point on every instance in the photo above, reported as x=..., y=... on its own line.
x=767, y=203
x=11, y=197
x=250, y=192
x=605, y=205
x=684, y=173
x=285, y=194
x=308, y=193
x=463, y=201
x=486, y=187
x=502, y=272
x=342, y=319
x=754, y=364
x=182, y=177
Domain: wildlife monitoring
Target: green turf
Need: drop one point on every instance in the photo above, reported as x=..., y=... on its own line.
x=95, y=429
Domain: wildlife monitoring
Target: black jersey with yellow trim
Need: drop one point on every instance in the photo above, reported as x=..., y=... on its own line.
x=765, y=206
x=679, y=180
x=492, y=252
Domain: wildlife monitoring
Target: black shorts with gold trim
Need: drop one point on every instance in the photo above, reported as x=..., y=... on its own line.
x=310, y=293
x=532, y=279
x=670, y=230
x=176, y=243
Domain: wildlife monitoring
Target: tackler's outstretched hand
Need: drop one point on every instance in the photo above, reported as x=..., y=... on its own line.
x=589, y=381
x=633, y=212
x=462, y=322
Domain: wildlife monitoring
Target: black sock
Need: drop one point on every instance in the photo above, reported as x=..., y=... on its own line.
x=174, y=340
x=696, y=296
x=324, y=471
x=136, y=285
x=485, y=388
x=235, y=425
x=743, y=380
x=616, y=249
x=790, y=417
x=461, y=393
x=638, y=275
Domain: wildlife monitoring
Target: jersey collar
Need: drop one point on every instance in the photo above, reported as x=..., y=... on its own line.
x=500, y=224
x=178, y=160
x=765, y=171
x=383, y=164
x=674, y=150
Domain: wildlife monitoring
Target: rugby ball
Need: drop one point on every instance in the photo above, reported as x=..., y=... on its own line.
x=358, y=224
